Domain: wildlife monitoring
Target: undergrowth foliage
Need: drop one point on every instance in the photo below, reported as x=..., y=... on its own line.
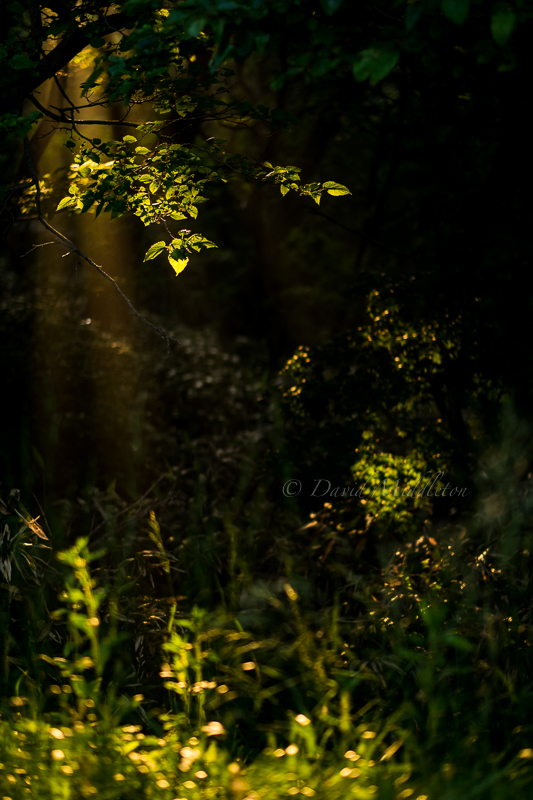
x=367, y=665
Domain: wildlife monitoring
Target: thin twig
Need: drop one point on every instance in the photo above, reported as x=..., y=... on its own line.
x=142, y=512
x=35, y=246
x=61, y=117
x=72, y=247
x=64, y=94
x=129, y=508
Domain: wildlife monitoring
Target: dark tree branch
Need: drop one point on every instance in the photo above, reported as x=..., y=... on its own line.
x=65, y=51
x=73, y=248
x=63, y=119
x=64, y=94
x=46, y=111
x=35, y=19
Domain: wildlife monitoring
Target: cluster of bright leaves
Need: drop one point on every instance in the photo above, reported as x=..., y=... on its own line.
x=155, y=186
x=166, y=184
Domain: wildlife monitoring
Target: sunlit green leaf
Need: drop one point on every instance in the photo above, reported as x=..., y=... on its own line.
x=177, y=261
x=336, y=189
x=154, y=251
x=65, y=202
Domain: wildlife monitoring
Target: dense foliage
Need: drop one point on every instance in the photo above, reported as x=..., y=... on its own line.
x=357, y=665
x=290, y=552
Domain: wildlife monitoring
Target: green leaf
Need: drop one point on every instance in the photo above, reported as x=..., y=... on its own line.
x=141, y=151
x=195, y=27
x=118, y=208
x=48, y=659
x=129, y=747
x=154, y=186
x=219, y=56
x=413, y=13
x=177, y=262
x=456, y=10
x=333, y=185
x=129, y=139
x=66, y=201
x=261, y=41
x=459, y=642
x=21, y=61
x=501, y=26
x=336, y=189
x=375, y=63
x=154, y=251
x=284, y=189
x=330, y=6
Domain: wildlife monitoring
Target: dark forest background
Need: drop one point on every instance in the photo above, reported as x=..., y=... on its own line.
x=437, y=158
x=378, y=336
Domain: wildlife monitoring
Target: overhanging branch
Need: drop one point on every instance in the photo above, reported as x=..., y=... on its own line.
x=73, y=248
x=69, y=47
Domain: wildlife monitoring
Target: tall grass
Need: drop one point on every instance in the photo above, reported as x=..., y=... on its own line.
x=322, y=661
